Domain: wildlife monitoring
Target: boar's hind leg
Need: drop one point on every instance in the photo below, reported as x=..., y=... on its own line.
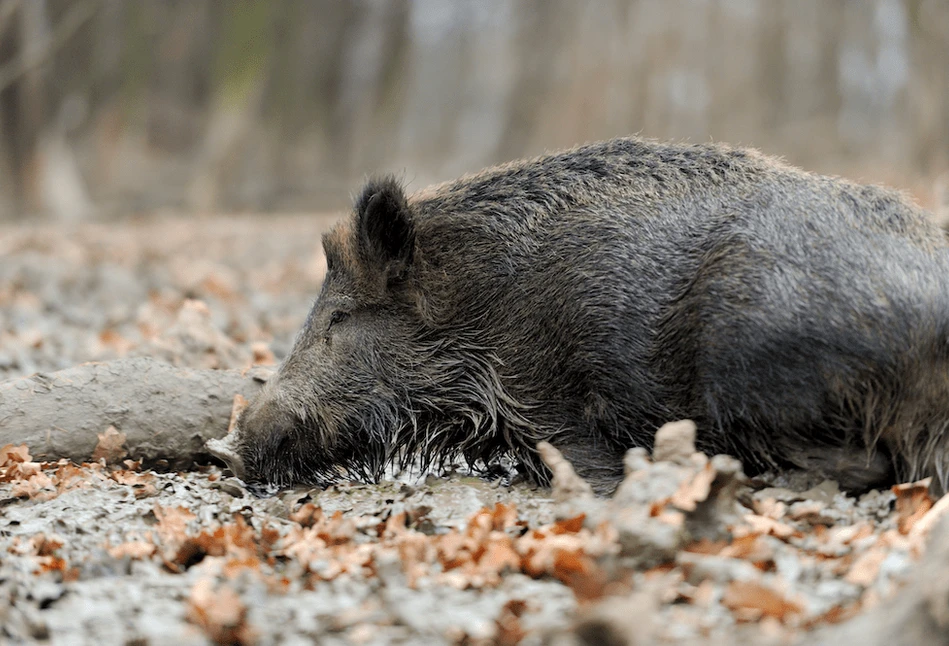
x=816, y=382
x=863, y=409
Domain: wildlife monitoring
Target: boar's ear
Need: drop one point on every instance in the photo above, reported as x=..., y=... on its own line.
x=384, y=228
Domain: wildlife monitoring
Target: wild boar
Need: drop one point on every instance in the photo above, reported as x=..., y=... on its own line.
x=587, y=297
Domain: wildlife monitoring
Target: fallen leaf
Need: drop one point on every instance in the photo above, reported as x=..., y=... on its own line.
x=865, y=569
x=110, y=446
x=172, y=525
x=509, y=629
x=499, y=556
x=694, y=490
x=849, y=533
x=307, y=515
x=38, y=487
x=240, y=403
x=764, y=525
x=912, y=503
x=750, y=547
x=580, y=573
x=44, y=545
x=115, y=341
x=220, y=613
x=503, y=516
x=770, y=508
x=237, y=541
x=142, y=484
x=806, y=509
x=835, y=615
x=706, y=546
x=748, y=598
x=16, y=463
x=42, y=551
x=263, y=355
x=921, y=529
x=133, y=550
x=10, y=454
x=69, y=476
x=569, y=525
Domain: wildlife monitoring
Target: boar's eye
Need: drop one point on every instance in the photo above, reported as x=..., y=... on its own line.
x=337, y=317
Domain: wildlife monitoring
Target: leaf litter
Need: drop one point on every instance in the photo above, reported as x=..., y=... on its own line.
x=773, y=572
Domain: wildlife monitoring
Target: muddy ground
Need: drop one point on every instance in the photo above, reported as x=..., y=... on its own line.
x=109, y=552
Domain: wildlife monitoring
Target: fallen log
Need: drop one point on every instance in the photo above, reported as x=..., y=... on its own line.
x=166, y=413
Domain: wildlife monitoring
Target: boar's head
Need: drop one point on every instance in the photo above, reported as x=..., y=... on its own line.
x=370, y=380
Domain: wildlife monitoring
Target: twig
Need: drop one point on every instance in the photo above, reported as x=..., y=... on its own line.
x=7, y=9
x=75, y=18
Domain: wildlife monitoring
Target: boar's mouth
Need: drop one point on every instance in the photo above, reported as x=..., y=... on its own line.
x=226, y=449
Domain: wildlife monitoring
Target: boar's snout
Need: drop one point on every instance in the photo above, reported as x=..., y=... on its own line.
x=262, y=447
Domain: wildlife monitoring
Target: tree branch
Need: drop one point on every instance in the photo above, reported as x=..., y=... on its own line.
x=75, y=18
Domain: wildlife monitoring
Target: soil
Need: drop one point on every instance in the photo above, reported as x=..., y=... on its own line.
x=106, y=551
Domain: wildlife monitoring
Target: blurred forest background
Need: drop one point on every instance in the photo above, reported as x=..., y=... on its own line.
x=114, y=107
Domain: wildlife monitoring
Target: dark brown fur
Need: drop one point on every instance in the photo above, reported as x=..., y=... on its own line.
x=587, y=297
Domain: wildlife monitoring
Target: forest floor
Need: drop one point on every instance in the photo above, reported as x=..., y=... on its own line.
x=688, y=551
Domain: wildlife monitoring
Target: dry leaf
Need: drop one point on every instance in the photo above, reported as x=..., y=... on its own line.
x=500, y=556
x=770, y=508
x=38, y=487
x=172, y=525
x=764, y=525
x=569, y=525
x=16, y=464
x=865, y=569
x=236, y=541
x=705, y=546
x=307, y=515
x=220, y=613
x=39, y=545
x=116, y=342
x=69, y=476
x=921, y=529
x=704, y=593
x=695, y=490
x=263, y=355
x=503, y=516
x=509, y=629
x=749, y=547
x=42, y=551
x=849, y=533
x=672, y=517
x=912, y=503
x=133, y=550
x=110, y=446
x=749, y=598
x=142, y=484
x=835, y=615
x=10, y=454
x=240, y=403
x=806, y=509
